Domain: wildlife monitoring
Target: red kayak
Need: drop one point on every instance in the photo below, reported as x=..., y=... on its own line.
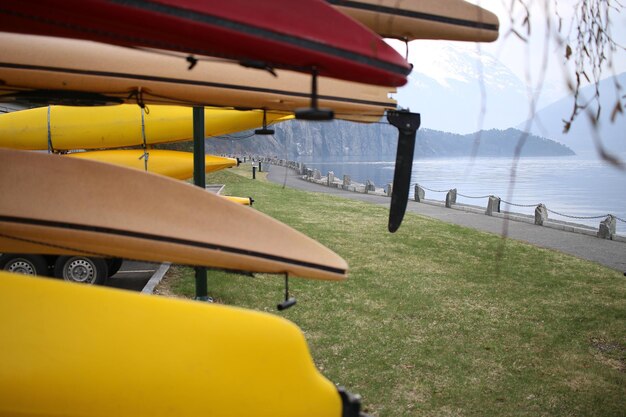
x=300, y=35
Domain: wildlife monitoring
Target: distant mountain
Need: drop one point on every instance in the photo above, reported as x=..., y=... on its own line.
x=488, y=143
x=450, y=98
x=548, y=122
x=374, y=141
x=297, y=138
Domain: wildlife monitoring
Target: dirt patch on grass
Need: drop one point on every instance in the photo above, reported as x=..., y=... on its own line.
x=612, y=354
x=166, y=286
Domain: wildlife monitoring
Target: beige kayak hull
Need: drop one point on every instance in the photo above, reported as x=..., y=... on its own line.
x=455, y=20
x=61, y=205
x=36, y=68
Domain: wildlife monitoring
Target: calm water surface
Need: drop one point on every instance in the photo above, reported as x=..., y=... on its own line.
x=580, y=185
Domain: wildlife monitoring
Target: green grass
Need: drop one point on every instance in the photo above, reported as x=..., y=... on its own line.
x=440, y=320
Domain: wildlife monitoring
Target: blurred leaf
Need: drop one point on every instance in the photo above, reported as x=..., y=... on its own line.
x=616, y=110
x=566, y=126
x=519, y=35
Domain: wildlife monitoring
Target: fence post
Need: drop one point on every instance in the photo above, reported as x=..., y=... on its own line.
x=541, y=214
x=607, y=227
x=331, y=178
x=346, y=182
x=389, y=189
x=253, y=172
x=419, y=193
x=493, y=205
x=451, y=198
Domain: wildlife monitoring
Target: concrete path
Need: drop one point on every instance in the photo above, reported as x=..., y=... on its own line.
x=133, y=275
x=606, y=252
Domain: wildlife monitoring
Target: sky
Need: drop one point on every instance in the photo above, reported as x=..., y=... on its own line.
x=524, y=59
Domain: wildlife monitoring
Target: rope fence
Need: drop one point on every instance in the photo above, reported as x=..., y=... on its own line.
x=434, y=191
x=577, y=217
x=527, y=205
x=518, y=205
x=469, y=196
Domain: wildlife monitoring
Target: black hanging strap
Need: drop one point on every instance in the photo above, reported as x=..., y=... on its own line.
x=288, y=302
x=264, y=130
x=314, y=112
x=145, y=154
x=50, y=147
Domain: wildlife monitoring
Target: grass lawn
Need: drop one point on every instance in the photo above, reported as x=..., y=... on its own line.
x=440, y=320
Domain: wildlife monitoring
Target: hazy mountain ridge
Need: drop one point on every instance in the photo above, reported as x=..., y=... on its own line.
x=379, y=140
x=548, y=121
x=450, y=96
x=488, y=143
x=452, y=89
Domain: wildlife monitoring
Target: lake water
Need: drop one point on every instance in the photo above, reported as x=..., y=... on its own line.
x=580, y=185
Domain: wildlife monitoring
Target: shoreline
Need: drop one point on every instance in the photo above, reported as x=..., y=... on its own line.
x=568, y=238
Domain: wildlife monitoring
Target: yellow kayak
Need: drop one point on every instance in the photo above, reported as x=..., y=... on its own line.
x=131, y=355
x=104, y=127
x=244, y=201
x=173, y=164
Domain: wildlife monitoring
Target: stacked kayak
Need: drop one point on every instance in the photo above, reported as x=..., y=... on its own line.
x=409, y=20
x=181, y=358
x=47, y=70
x=173, y=164
x=98, y=209
x=64, y=128
x=67, y=128
x=129, y=355
x=263, y=34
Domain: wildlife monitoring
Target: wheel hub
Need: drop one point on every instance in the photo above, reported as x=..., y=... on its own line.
x=79, y=270
x=21, y=267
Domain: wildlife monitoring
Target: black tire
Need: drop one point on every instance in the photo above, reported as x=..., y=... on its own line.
x=114, y=265
x=24, y=264
x=81, y=269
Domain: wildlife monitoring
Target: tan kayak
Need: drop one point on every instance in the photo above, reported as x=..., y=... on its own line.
x=45, y=69
x=455, y=20
x=58, y=205
x=75, y=350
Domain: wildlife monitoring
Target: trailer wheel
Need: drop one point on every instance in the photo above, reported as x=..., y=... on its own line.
x=114, y=265
x=24, y=264
x=81, y=269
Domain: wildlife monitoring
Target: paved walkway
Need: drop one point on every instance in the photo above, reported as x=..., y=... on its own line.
x=606, y=252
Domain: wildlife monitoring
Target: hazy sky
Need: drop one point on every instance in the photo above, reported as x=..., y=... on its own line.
x=524, y=59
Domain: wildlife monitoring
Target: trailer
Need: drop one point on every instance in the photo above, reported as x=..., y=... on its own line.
x=81, y=269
